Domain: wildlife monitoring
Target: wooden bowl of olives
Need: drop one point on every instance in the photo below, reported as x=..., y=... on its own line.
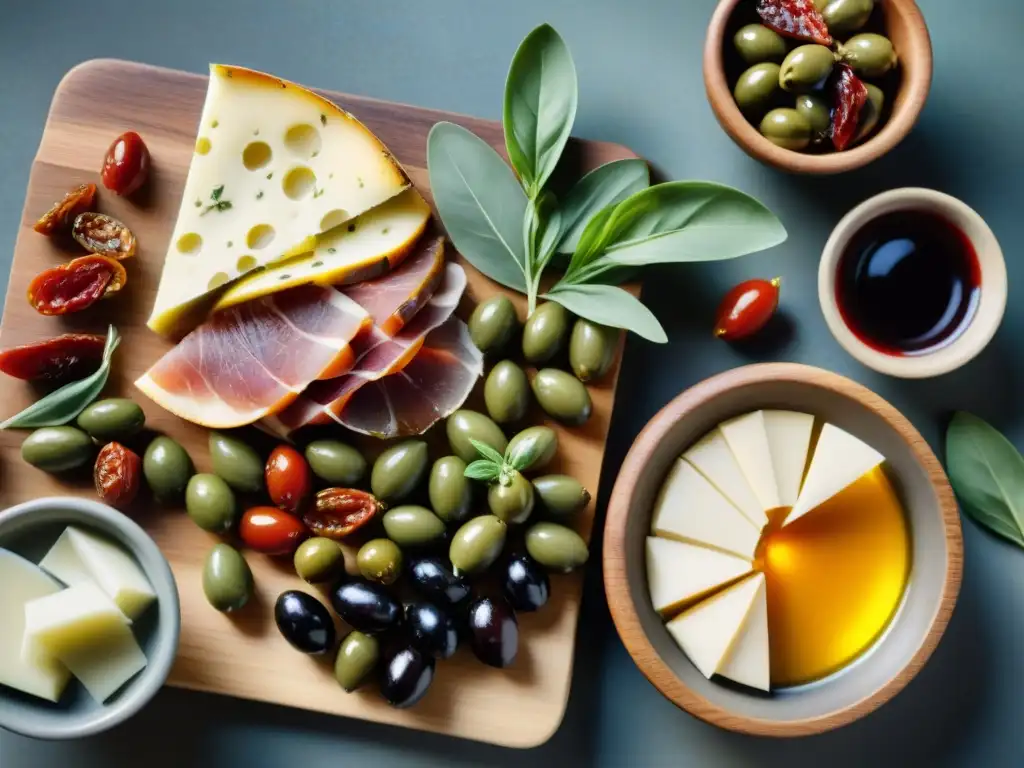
x=817, y=86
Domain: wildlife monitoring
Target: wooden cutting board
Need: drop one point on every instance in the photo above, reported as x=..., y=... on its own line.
x=244, y=655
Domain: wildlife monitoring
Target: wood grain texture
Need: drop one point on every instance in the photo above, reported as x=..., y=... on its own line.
x=244, y=655
x=904, y=25
x=623, y=515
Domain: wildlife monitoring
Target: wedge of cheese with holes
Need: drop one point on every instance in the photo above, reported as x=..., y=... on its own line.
x=690, y=509
x=679, y=574
x=274, y=166
x=839, y=460
x=706, y=631
x=365, y=248
x=748, y=659
x=713, y=459
x=748, y=440
x=789, y=439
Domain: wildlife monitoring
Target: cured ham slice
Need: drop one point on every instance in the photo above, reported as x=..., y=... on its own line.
x=431, y=387
x=252, y=360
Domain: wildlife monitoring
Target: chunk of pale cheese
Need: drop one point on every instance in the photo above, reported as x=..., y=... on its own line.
x=38, y=674
x=713, y=459
x=748, y=441
x=690, y=509
x=789, y=439
x=274, y=166
x=80, y=557
x=679, y=574
x=706, y=631
x=748, y=661
x=839, y=460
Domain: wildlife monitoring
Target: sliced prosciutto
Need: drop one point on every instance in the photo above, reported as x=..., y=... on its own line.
x=252, y=360
x=431, y=387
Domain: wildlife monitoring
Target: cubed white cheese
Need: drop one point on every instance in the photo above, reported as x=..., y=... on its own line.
x=748, y=441
x=713, y=459
x=680, y=573
x=789, y=438
x=748, y=660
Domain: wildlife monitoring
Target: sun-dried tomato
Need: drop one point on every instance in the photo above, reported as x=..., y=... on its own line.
x=103, y=235
x=799, y=19
x=62, y=214
x=118, y=475
x=76, y=285
x=338, y=512
x=62, y=358
x=849, y=95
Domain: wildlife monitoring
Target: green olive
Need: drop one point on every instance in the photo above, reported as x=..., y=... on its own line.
x=756, y=87
x=560, y=496
x=562, y=396
x=869, y=54
x=210, y=503
x=493, y=324
x=533, y=448
x=591, y=349
x=756, y=43
x=477, y=544
x=167, y=468
x=227, y=579
x=57, y=449
x=357, y=657
x=871, y=112
x=787, y=128
x=411, y=526
x=507, y=392
x=806, y=67
x=556, y=547
x=380, y=560
x=336, y=463
x=236, y=462
x=116, y=418
x=510, y=498
x=816, y=111
x=463, y=426
x=318, y=560
x=545, y=332
x=451, y=492
x=398, y=470
x=846, y=16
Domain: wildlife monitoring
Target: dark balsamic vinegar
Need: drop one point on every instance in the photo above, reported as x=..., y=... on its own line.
x=908, y=283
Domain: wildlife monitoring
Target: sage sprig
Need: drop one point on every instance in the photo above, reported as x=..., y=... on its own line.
x=64, y=404
x=492, y=467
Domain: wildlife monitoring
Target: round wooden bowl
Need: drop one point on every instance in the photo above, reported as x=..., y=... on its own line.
x=929, y=598
x=904, y=25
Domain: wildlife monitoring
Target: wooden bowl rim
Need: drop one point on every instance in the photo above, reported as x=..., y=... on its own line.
x=914, y=90
x=623, y=611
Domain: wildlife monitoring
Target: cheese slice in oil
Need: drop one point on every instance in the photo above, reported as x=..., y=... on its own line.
x=748, y=441
x=713, y=459
x=679, y=574
x=789, y=439
x=748, y=660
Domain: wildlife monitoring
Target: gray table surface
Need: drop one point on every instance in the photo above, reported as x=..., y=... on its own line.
x=640, y=85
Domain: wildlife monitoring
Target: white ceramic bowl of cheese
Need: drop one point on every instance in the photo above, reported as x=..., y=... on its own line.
x=936, y=544
x=29, y=530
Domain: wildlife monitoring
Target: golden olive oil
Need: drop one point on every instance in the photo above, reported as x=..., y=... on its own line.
x=835, y=578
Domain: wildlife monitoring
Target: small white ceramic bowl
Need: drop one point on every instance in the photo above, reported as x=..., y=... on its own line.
x=981, y=328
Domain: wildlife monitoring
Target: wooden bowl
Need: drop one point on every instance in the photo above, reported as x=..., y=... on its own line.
x=903, y=24
x=929, y=598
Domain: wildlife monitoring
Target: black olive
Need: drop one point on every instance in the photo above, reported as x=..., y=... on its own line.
x=304, y=622
x=436, y=582
x=408, y=673
x=365, y=606
x=526, y=585
x=493, y=631
x=431, y=630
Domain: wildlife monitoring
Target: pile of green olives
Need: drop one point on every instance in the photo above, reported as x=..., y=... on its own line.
x=786, y=88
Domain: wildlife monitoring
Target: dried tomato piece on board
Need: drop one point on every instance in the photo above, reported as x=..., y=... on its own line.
x=117, y=475
x=340, y=511
x=849, y=95
x=799, y=19
x=105, y=235
x=63, y=358
x=59, y=217
x=76, y=285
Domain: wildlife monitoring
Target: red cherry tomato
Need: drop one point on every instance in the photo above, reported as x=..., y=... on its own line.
x=747, y=308
x=271, y=531
x=126, y=165
x=289, y=479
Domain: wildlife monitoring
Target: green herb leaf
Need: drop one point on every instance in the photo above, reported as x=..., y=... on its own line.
x=604, y=186
x=540, y=106
x=217, y=192
x=542, y=226
x=480, y=203
x=484, y=470
x=987, y=473
x=64, y=404
x=609, y=305
x=487, y=452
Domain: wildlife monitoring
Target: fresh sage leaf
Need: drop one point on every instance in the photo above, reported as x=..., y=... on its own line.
x=480, y=203
x=64, y=404
x=609, y=305
x=487, y=452
x=482, y=469
x=604, y=186
x=987, y=473
x=540, y=106
x=541, y=230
